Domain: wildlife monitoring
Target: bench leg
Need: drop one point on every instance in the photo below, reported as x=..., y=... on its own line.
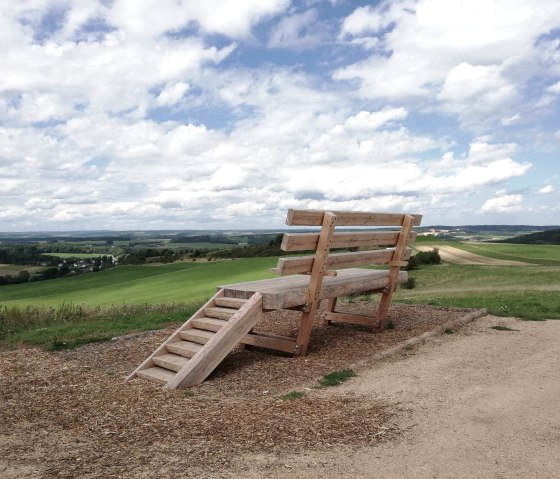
x=384, y=307
x=304, y=333
x=331, y=306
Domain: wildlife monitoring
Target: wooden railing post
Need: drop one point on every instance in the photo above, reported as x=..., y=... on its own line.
x=315, y=282
x=395, y=267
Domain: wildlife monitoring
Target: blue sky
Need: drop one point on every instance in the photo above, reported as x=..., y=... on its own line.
x=174, y=114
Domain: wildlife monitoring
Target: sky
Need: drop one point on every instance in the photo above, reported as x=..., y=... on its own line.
x=217, y=114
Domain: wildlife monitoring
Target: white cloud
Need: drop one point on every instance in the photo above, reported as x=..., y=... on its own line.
x=146, y=115
x=298, y=31
x=479, y=88
x=364, y=20
x=546, y=190
x=503, y=204
x=155, y=17
x=172, y=93
x=366, y=120
x=554, y=88
x=510, y=120
x=473, y=55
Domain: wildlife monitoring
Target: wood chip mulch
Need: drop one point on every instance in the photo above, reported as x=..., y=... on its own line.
x=70, y=415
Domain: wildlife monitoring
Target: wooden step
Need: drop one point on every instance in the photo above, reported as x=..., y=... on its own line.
x=208, y=324
x=199, y=336
x=184, y=348
x=219, y=313
x=234, y=303
x=157, y=374
x=173, y=362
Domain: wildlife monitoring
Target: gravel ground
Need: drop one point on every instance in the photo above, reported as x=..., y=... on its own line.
x=70, y=415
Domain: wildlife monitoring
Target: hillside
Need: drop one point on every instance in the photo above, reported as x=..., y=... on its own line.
x=542, y=237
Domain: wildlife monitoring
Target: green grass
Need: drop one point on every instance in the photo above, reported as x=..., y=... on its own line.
x=175, y=282
x=292, y=395
x=336, y=378
x=527, y=292
x=70, y=326
x=503, y=328
x=62, y=313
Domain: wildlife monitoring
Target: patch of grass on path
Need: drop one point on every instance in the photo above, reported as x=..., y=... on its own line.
x=336, y=378
x=292, y=395
x=503, y=328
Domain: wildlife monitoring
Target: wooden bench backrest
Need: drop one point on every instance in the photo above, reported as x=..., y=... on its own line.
x=325, y=240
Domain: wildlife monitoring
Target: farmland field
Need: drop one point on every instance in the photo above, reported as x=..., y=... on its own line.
x=535, y=254
x=175, y=282
x=14, y=269
x=531, y=291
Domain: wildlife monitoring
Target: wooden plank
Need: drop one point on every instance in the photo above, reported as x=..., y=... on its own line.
x=173, y=362
x=290, y=291
x=234, y=303
x=303, y=264
x=187, y=349
x=200, y=336
x=361, y=319
x=157, y=374
x=209, y=324
x=218, y=312
x=270, y=341
x=220, y=345
x=348, y=218
x=365, y=239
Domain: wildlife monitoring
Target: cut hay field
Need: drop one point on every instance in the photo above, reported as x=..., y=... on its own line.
x=534, y=254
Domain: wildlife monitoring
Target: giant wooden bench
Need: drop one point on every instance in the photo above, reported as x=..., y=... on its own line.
x=194, y=350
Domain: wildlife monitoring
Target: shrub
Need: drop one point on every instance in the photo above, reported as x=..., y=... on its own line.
x=409, y=284
x=423, y=257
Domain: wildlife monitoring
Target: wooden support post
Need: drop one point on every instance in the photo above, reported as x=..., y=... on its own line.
x=331, y=305
x=315, y=282
x=396, y=263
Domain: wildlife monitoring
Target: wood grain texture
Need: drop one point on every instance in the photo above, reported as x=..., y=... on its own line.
x=364, y=239
x=304, y=264
x=291, y=291
x=216, y=349
x=348, y=218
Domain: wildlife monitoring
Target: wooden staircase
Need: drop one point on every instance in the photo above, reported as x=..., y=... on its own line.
x=196, y=348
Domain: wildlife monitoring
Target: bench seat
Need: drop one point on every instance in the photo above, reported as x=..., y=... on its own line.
x=291, y=291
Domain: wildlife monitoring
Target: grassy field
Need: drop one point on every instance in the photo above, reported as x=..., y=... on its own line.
x=175, y=282
x=94, y=307
x=529, y=292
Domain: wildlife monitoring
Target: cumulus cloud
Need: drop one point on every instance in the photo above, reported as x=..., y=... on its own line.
x=545, y=190
x=469, y=55
x=503, y=204
x=166, y=114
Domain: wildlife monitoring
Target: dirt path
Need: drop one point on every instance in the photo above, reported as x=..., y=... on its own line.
x=480, y=403
x=458, y=256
